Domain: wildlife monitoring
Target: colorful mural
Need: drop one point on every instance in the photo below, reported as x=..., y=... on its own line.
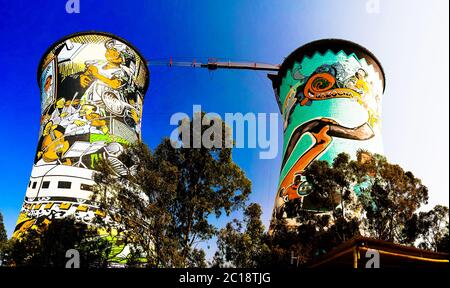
x=92, y=90
x=329, y=93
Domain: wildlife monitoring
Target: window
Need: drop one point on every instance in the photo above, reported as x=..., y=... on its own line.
x=64, y=184
x=45, y=184
x=86, y=187
x=29, y=184
x=34, y=185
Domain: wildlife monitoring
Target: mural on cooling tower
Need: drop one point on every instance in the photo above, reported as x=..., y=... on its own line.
x=330, y=103
x=92, y=89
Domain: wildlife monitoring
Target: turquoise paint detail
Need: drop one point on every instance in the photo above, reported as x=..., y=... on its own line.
x=349, y=113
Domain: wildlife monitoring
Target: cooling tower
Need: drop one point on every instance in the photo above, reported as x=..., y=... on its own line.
x=329, y=94
x=92, y=87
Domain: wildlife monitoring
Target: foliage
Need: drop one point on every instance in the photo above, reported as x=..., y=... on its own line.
x=242, y=248
x=390, y=200
x=431, y=228
x=3, y=238
x=46, y=245
x=136, y=206
x=163, y=206
x=165, y=202
x=364, y=197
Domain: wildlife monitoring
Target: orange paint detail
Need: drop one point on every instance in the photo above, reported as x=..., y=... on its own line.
x=53, y=145
x=322, y=140
x=291, y=192
x=319, y=87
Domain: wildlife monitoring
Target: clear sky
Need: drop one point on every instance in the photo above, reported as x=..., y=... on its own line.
x=410, y=38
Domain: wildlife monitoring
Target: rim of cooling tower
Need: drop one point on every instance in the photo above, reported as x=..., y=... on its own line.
x=335, y=45
x=93, y=32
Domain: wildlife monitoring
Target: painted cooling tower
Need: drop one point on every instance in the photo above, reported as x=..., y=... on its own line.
x=329, y=93
x=92, y=88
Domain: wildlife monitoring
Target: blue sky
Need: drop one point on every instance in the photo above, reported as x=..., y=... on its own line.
x=410, y=38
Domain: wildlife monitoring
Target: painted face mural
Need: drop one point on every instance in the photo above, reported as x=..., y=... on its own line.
x=329, y=93
x=92, y=89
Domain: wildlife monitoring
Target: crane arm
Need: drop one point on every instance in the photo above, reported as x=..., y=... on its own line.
x=213, y=65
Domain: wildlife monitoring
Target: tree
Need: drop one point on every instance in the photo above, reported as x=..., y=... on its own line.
x=332, y=187
x=442, y=245
x=390, y=199
x=291, y=244
x=46, y=245
x=316, y=234
x=367, y=196
x=137, y=205
x=432, y=228
x=3, y=238
x=242, y=248
x=165, y=202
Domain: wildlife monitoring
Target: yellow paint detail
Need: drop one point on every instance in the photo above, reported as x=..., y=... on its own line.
x=48, y=205
x=100, y=213
x=82, y=208
x=46, y=221
x=65, y=206
x=37, y=206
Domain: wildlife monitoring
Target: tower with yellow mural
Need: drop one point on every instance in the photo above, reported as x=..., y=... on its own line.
x=92, y=87
x=329, y=94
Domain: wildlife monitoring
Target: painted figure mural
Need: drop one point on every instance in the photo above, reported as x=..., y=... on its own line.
x=92, y=90
x=329, y=93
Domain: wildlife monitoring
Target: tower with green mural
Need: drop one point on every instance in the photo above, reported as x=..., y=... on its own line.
x=329, y=94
